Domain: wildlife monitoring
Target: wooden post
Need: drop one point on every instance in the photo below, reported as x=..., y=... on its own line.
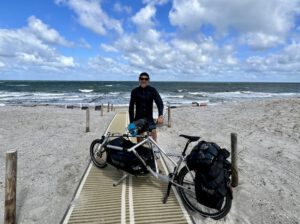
x=102, y=109
x=87, y=126
x=169, y=116
x=235, y=176
x=10, y=188
x=108, y=107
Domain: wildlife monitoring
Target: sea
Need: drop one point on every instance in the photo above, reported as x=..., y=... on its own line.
x=93, y=93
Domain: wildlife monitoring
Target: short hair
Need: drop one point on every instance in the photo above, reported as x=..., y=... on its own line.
x=144, y=74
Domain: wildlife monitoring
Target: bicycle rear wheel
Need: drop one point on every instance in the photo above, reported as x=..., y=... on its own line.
x=188, y=195
x=98, y=154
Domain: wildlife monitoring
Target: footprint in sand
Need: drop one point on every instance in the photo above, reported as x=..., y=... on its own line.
x=67, y=179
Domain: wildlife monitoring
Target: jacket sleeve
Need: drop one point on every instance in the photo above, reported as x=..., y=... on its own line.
x=159, y=102
x=131, y=106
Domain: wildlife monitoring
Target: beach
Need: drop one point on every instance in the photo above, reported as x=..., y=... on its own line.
x=53, y=152
x=268, y=154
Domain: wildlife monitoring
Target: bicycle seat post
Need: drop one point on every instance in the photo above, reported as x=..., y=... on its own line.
x=186, y=146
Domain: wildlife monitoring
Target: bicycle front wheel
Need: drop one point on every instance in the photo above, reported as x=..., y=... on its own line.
x=188, y=195
x=98, y=154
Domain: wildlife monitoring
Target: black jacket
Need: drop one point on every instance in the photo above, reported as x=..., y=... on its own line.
x=143, y=99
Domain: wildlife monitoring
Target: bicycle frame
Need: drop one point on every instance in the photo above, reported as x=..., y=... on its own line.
x=148, y=139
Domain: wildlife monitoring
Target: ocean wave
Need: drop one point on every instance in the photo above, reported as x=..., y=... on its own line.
x=249, y=94
x=2, y=104
x=48, y=94
x=202, y=94
x=109, y=85
x=178, y=96
x=86, y=90
x=181, y=90
x=114, y=93
x=14, y=94
x=18, y=85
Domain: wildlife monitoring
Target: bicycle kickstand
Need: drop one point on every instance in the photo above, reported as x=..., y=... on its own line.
x=168, y=192
x=116, y=183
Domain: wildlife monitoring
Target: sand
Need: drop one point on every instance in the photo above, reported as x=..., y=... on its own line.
x=268, y=152
x=53, y=152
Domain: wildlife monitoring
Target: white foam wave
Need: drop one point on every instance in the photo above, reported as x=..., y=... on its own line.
x=249, y=94
x=109, y=85
x=198, y=94
x=86, y=90
x=114, y=93
x=48, y=94
x=2, y=104
x=19, y=85
x=181, y=90
x=178, y=96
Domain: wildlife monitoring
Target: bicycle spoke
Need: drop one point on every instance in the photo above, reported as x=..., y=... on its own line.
x=188, y=194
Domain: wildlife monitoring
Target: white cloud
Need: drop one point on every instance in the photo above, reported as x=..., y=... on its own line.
x=108, y=48
x=261, y=41
x=2, y=65
x=287, y=61
x=118, y=7
x=24, y=49
x=143, y=18
x=188, y=14
x=43, y=32
x=108, y=66
x=83, y=43
x=91, y=15
x=155, y=2
x=256, y=19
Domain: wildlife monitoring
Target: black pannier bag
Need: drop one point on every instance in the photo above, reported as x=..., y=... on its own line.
x=127, y=161
x=202, y=155
x=212, y=173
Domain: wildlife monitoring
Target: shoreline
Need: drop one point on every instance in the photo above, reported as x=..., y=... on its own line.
x=182, y=104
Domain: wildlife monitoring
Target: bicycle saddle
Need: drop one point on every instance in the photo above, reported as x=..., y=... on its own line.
x=191, y=138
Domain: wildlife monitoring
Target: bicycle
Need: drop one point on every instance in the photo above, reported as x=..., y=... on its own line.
x=182, y=177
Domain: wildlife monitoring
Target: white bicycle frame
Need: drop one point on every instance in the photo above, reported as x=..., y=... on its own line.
x=156, y=174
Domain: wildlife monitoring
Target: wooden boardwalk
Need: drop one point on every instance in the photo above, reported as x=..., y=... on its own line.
x=135, y=200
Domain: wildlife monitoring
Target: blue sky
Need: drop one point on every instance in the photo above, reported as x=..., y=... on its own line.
x=177, y=40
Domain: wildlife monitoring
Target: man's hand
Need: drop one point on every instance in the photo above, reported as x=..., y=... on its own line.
x=160, y=119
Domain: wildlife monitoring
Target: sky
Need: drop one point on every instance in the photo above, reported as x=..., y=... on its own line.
x=172, y=40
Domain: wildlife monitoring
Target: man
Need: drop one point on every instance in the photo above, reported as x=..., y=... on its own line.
x=142, y=98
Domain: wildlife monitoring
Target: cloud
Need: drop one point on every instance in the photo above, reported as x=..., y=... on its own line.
x=118, y=7
x=2, y=65
x=261, y=41
x=143, y=18
x=108, y=48
x=110, y=68
x=255, y=19
x=287, y=61
x=83, y=43
x=155, y=2
x=148, y=50
x=43, y=32
x=25, y=48
x=91, y=16
x=197, y=56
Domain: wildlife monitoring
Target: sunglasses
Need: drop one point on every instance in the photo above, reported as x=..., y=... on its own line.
x=144, y=79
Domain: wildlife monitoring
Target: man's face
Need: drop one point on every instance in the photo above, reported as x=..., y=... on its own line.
x=144, y=81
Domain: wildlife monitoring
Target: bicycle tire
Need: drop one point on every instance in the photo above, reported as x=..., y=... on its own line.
x=194, y=205
x=99, y=159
